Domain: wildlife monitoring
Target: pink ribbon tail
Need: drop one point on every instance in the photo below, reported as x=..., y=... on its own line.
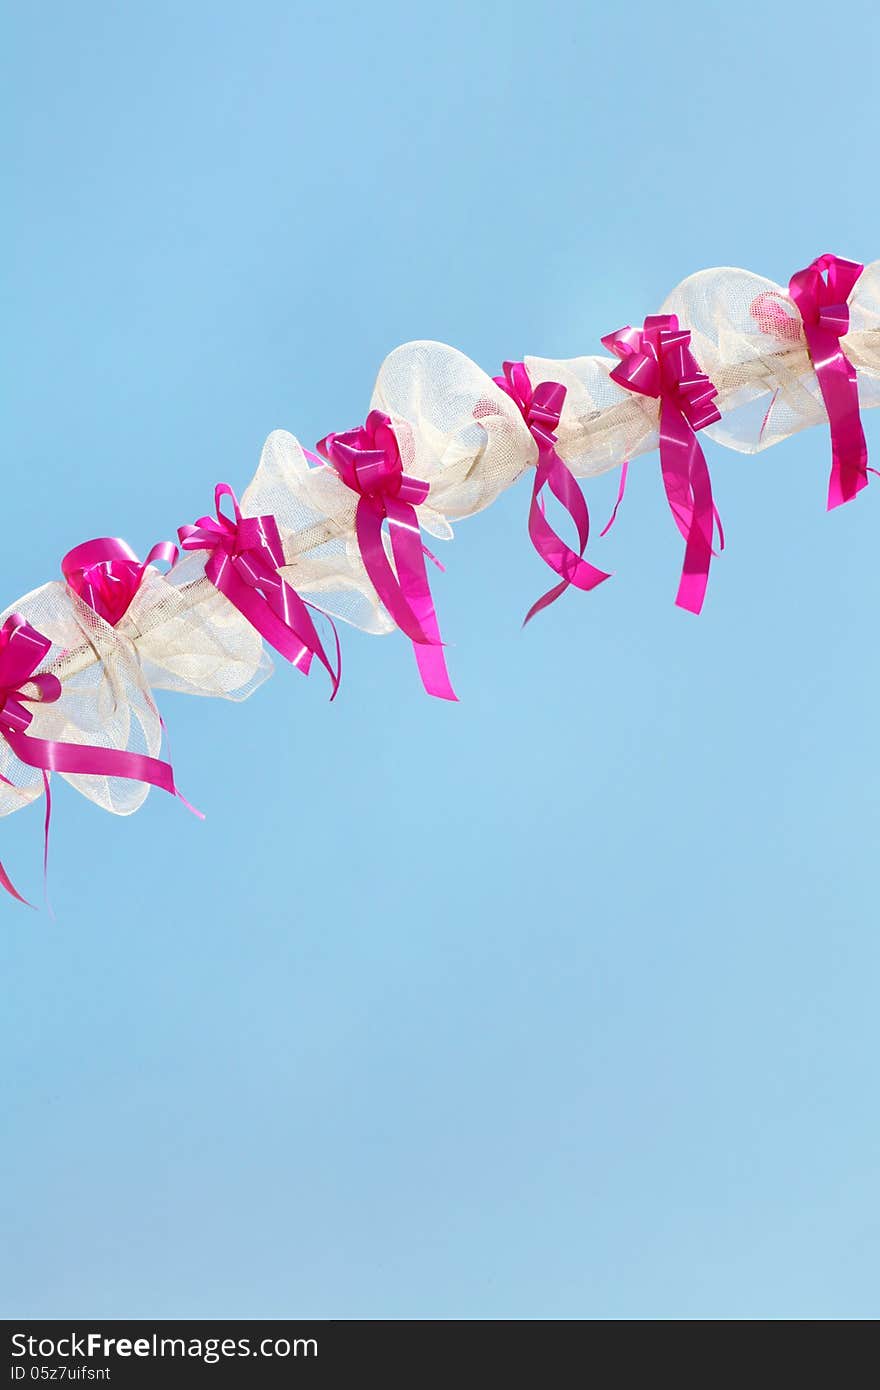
x=621, y=489
x=200, y=815
x=276, y=610
x=406, y=594
x=47, y=821
x=409, y=559
x=6, y=882
x=572, y=568
x=840, y=392
x=50, y=755
x=689, y=493
x=821, y=293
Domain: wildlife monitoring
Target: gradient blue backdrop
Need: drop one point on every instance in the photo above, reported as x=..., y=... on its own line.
x=558, y=1003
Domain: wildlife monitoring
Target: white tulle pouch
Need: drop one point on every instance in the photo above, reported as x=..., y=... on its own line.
x=785, y=359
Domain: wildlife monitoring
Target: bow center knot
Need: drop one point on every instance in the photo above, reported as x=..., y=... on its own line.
x=367, y=460
x=657, y=361
x=540, y=406
x=259, y=536
x=821, y=293
x=240, y=538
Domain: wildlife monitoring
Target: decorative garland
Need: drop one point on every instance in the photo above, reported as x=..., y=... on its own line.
x=339, y=534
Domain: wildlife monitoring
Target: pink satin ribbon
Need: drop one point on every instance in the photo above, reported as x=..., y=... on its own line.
x=657, y=361
x=22, y=649
x=368, y=461
x=541, y=407
x=821, y=293
x=106, y=574
x=246, y=554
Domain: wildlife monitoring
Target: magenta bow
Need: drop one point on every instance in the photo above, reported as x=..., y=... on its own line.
x=106, y=574
x=541, y=407
x=246, y=554
x=22, y=650
x=368, y=461
x=657, y=361
x=820, y=293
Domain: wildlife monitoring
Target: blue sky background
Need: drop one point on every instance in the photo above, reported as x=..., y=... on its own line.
x=558, y=1003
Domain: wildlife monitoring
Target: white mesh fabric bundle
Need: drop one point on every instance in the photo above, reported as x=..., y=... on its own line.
x=862, y=342
x=105, y=700
x=190, y=638
x=747, y=335
x=456, y=430
x=314, y=512
x=602, y=424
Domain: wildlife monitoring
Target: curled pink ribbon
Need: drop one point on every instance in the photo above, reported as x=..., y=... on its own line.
x=22, y=649
x=657, y=361
x=368, y=461
x=541, y=407
x=106, y=574
x=246, y=554
x=821, y=293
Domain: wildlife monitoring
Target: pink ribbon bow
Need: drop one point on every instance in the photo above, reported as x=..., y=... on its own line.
x=541, y=407
x=22, y=649
x=368, y=461
x=246, y=554
x=106, y=574
x=657, y=361
x=820, y=293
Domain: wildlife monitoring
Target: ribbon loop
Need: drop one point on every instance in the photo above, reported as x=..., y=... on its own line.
x=106, y=574
x=657, y=361
x=821, y=293
x=246, y=553
x=541, y=408
x=368, y=461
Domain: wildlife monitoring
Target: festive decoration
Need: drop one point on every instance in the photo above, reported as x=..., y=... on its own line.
x=368, y=461
x=339, y=533
x=656, y=361
x=541, y=409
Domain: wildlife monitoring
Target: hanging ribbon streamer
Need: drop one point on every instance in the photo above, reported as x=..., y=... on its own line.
x=657, y=361
x=820, y=293
x=106, y=574
x=246, y=554
x=368, y=461
x=22, y=650
x=541, y=408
